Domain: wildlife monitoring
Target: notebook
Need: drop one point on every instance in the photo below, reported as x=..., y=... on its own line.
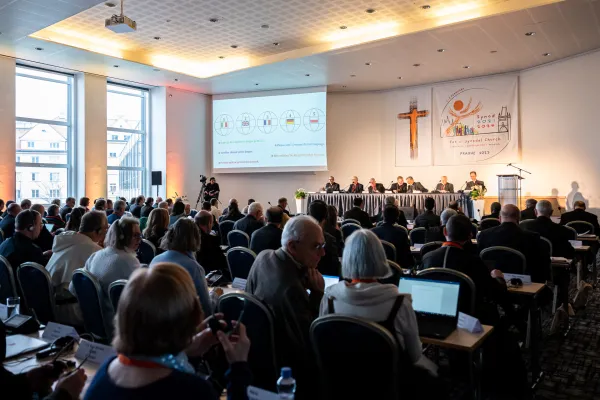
x=20, y=344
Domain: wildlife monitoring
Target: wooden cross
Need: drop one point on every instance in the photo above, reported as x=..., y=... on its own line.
x=413, y=115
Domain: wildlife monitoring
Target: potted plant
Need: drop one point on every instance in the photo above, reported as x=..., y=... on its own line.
x=300, y=196
x=478, y=196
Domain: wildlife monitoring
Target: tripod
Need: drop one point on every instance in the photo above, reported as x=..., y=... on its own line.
x=200, y=194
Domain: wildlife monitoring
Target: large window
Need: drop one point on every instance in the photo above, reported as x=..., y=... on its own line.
x=126, y=140
x=43, y=130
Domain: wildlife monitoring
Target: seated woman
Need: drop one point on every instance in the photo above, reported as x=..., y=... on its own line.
x=74, y=219
x=157, y=227
x=156, y=328
x=177, y=212
x=364, y=262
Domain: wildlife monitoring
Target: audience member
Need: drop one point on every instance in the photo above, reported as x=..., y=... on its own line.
x=54, y=219
x=8, y=222
x=136, y=208
x=147, y=208
x=116, y=261
x=177, y=212
x=109, y=207
x=45, y=238
x=55, y=201
x=164, y=204
x=159, y=324
x=509, y=234
x=8, y=203
x=118, y=212
x=187, y=210
x=579, y=214
x=428, y=219
x=25, y=204
x=67, y=208
x=210, y=256
x=392, y=201
x=357, y=213
x=330, y=262
x=74, y=219
x=396, y=235
x=100, y=205
x=557, y=234
x=1, y=206
x=333, y=229
x=436, y=233
x=269, y=236
x=214, y=208
x=245, y=210
x=495, y=209
x=529, y=211
x=157, y=201
x=181, y=243
x=233, y=212
x=280, y=278
x=157, y=226
x=85, y=203
x=70, y=251
x=454, y=206
x=283, y=203
x=253, y=221
x=170, y=203
x=20, y=248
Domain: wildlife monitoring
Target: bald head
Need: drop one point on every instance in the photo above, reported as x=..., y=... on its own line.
x=14, y=209
x=204, y=220
x=509, y=213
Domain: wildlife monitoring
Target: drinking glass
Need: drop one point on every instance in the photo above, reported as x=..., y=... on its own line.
x=12, y=304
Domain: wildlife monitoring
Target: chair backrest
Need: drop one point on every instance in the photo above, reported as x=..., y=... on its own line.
x=573, y=232
x=350, y=349
x=379, y=223
x=474, y=230
x=417, y=235
x=390, y=250
x=466, y=294
x=240, y=260
x=581, y=226
x=145, y=252
x=350, y=221
x=89, y=292
x=36, y=286
x=1, y=236
x=403, y=227
x=409, y=212
x=526, y=224
x=394, y=278
x=431, y=246
x=8, y=285
x=114, y=292
x=505, y=259
x=488, y=223
x=143, y=222
x=258, y=320
x=224, y=228
x=237, y=238
x=547, y=244
x=349, y=229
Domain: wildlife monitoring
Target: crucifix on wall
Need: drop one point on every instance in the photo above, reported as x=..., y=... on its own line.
x=413, y=116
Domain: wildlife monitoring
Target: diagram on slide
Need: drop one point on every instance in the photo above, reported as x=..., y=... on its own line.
x=314, y=119
x=267, y=122
x=223, y=125
x=290, y=121
x=245, y=123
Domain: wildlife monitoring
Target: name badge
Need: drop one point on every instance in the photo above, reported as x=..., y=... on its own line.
x=54, y=331
x=526, y=279
x=469, y=323
x=255, y=393
x=94, y=352
x=239, y=284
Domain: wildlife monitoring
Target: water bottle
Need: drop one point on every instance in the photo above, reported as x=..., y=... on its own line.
x=286, y=385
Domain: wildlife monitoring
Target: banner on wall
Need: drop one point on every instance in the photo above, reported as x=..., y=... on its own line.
x=413, y=127
x=476, y=121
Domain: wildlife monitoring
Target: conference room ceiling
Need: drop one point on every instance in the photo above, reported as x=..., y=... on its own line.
x=486, y=36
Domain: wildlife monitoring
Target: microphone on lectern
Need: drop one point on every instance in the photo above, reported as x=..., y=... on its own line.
x=509, y=165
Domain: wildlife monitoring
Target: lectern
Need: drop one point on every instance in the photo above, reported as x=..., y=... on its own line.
x=509, y=189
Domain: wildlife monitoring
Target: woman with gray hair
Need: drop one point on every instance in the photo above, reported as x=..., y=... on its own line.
x=363, y=263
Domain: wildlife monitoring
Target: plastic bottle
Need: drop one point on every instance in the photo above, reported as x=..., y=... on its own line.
x=286, y=384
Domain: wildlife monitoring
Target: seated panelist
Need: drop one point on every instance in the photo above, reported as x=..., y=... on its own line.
x=414, y=186
x=444, y=187
x=399, y=186
x=375, y=187
x=355, y=187
x=331, y=186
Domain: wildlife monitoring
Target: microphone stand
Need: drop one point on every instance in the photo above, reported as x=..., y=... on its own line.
x=521, y=170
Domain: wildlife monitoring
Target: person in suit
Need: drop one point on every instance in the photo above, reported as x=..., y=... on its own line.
x=233, y=212
x=8, y=223
x=428, y=219
x=210, y=256
x=392, y=201
x=283, y=203
x=399, y=186
x=332, y=185
x=436, y=233
x=251, y=222
x=579, y=214
x=529, y=211
x=45, y=239
x=136, y=209
x=474, y=182
x=495, y=209
x=444, y=186
x=375, y=187
x=20, y=248
x=330, y=262
x=269, y=236
x=355, y=187
x=396, y=235
x=509, y=234
x=414, y=186
x=67, y=208
x=359, y=214
x=557, y=234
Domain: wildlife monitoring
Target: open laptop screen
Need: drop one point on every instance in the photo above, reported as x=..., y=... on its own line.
x=432, y=297
x=330, y=280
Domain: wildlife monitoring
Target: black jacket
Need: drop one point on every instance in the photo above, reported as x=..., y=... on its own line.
x=428, y=219
x=155, y=239
x=145, y=211
x=211, y=188
x=56, y=221
x=248, y=224
x=20, y=249
x=360, y=215
x=580, y=215
x=416, y=186
x=330, y=262
x=136, y=210
x=267, y=237
x=358, y=188
x=528, y=213
x=492, y=215
x=210, y=256
x=398, y=188
x=339, y=241
x=231, y=216
x=398, y=237
x=470, y=184
x=447, y=187
x=378, y=188
x=557, y=234
x=8, y=226
x=45, y=240
x=401, y=218
x=64, y=211
x=333, y=187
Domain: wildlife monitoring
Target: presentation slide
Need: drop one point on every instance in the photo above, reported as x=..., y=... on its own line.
x=270, y=133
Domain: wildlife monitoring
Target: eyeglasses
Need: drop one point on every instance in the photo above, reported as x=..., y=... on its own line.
x=137, y=236
x=320, y=246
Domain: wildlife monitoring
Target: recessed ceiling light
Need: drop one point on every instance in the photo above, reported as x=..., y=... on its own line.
x=264, y=26
x=221, y=57
x=352, y=76
x=156, y=37
x=307, y=75
x=116, y=66
x=234, y=46
x=370, y=10
x=467, y=67
x=256, y=84
x=441, y=50
x=416, y=65
x=214, y=20
x=110, y=4
x=426, y=7
x=399, y=77
x=343, y=27
x=368, y=63
x=39, y=48
x=276, y=43
x=167, y=21
x=547, y=54
x=176, y=80
x=344, y=87
x=494, y=51
x=530, y=34
x=156, y=70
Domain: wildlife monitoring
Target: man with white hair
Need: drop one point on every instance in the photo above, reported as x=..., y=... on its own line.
x=281, y=278
x=557, y=234
x=355, y=187
x=253, y=221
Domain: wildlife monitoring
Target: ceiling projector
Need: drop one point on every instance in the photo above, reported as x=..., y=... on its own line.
x=120, y=23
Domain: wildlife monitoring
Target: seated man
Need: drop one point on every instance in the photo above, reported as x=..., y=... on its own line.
x=8, y=223
x=529, y=211
x=454, y=206
x=359, y=214
x=375, y=187
x=557, y=234
x=245, y=210
x=509, y=234
x=67, y=208
x=232, y=212
x=396, y=236
x=25, y=204
x=355, y=187
x=414, y=186
x=579, y=214
x=45, y=238
x=100, y=205
x=118, y=211
x=495, y=209
x=444, y=186
x=392, y=201
x=280, y=279
x=210, y=256
x=251, y=222
x=54, y=219
x=399, y=186
x=330, y=263
x=436, y=233
x=269, y=236
x=21, y=247
x=428, y=219
x=331, y=185
x=283, y=203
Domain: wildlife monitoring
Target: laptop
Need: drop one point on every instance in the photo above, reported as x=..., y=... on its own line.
x=435, y=303
x=21, y=344
x=330, y=280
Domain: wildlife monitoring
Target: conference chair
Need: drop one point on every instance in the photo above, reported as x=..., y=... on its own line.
x=143, y=223
x=350, y=221
x=350, y=349
x=89, y=292
x=417, y=236
x=466, y=293
x=379, y=223
x=390, y=250
x=547, y=245
x=224, y=228
x=114, y=292
x=145, y=252
x=237, y=238
x=573, y=232
x=526, y=225
x=8, y=287
x=403, y=227
x=396, y=272
x=260, y=330
x=240, y=260
x=505, y=259
x=474, y=230
x=36, y=286
x=349, y=229
x=581, y=227
x=488, y=223
x=428, y=247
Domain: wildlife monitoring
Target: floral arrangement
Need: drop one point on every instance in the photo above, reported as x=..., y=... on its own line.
x=300, y=193
x=478, y=192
